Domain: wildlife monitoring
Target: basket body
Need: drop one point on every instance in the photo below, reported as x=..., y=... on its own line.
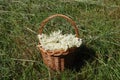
x=58, y=61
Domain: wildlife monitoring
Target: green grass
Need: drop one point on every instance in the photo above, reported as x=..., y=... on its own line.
x=98, y=24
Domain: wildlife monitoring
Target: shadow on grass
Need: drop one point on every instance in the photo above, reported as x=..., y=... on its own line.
x=79, y=57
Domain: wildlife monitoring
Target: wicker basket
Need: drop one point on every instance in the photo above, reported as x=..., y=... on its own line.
x=57, y=59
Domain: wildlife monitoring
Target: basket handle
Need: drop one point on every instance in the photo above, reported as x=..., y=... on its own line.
x=59, y=15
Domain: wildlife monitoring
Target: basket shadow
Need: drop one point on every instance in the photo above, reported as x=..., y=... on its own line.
x=79, y=58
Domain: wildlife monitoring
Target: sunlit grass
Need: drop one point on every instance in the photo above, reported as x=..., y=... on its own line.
x=98, y=26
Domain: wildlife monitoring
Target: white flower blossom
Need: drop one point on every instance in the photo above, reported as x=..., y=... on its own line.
x=57, y=41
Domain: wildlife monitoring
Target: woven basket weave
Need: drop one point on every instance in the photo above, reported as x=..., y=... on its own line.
x=57, y=59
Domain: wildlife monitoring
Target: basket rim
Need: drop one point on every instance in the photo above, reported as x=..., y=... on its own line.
x=56, y=52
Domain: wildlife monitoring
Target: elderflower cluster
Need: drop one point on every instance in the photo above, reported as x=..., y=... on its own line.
x=57, y=41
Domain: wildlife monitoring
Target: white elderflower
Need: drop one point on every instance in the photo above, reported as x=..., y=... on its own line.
x=57, y=40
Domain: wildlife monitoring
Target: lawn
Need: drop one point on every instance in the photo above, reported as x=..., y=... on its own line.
x=98, y=22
